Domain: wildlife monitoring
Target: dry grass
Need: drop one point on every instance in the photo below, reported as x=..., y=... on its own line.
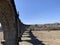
x=48, y=37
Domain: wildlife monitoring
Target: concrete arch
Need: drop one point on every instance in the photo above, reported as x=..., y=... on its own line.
x=9, y=23
x=12, y=27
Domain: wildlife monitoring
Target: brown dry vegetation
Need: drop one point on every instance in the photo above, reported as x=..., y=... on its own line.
x=48, y=37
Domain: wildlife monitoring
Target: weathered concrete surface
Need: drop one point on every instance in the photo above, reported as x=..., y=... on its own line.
x=12, y=27
x=8, y=20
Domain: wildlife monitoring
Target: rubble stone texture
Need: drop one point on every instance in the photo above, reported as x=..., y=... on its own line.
x=8, y=19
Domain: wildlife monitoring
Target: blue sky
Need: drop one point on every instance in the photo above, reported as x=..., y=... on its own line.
x=38, y=11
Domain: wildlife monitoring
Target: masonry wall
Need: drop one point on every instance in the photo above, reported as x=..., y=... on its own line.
x=21, y=28
x=9, y=22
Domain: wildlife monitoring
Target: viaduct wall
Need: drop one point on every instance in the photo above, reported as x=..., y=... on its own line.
x=11, y=25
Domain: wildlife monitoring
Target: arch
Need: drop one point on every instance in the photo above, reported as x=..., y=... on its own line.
x=1, y=34
x=8, y=21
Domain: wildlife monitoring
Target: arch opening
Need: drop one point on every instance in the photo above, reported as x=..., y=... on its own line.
x=1, y=34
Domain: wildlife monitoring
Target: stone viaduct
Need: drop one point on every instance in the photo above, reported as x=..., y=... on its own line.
x=12, y=26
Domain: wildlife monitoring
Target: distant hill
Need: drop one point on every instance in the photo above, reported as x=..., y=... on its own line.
x=53, y=26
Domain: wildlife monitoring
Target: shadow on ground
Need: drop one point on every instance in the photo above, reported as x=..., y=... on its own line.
x=33, y=40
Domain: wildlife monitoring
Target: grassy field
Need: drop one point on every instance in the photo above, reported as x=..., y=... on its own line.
x=48, y=37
